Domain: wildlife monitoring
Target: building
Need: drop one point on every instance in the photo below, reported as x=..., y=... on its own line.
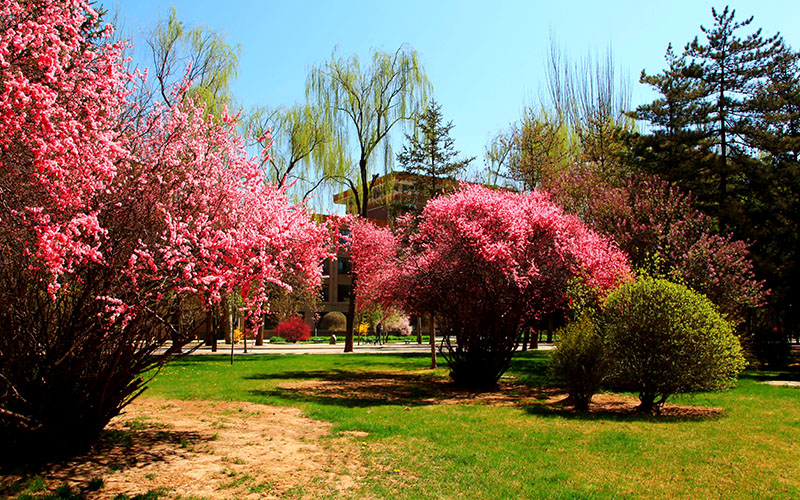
x=394, y=194
x=391, y=195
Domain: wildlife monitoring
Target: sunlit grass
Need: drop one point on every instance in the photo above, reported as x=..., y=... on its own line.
x=417, y=448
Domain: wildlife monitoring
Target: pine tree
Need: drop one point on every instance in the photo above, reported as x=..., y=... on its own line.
x=706, y=107
x=727, y=127
x=674, y=148
x=431, y=154
x=731, y=68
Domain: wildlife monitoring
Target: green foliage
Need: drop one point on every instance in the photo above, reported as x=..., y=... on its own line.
x=364, y=104
x=430, y=155
x=579, y=360
x=726, y=126
x=665, y=339
x=583, y=299
x=214, y=63
x=305, y=150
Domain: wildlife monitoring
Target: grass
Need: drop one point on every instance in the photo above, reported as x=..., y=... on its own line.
x=416, y=448
x=35, y=488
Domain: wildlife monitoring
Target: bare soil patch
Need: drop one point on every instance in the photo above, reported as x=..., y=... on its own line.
x=611, y=404
x=784, y=383
x=214, y=450
x=406, y=389
x=403, y=388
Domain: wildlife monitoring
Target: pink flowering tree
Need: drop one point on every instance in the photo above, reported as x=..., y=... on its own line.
x=114, y=223
x=488, y=264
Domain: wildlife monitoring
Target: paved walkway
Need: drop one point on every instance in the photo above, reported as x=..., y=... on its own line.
x=267, y=348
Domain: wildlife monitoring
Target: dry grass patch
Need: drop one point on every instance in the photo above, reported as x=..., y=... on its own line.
x=179, y=447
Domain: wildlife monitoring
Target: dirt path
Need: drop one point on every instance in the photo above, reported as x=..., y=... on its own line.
x=214, y=450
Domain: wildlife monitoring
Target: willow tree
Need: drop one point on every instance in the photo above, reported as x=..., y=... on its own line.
x=364, y=104
x=304, y=150
x=201, y=58
x=194, y=54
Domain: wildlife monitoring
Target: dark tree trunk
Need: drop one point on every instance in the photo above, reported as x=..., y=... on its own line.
x=433, y=342
x=648, y=405
x=351, y=316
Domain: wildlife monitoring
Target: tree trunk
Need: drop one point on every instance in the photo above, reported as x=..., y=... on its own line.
x=209, y=327
x=227, y=321
x=351, y=316
x=419, y=330
x=214, y=330
x=647, y=403
x=260, y=334
x=433, y=342
x=525, y=337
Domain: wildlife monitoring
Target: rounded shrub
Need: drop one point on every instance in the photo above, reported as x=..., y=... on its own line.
x=293, y=329
x=333, y=321
x=578, y=360
x=663, y=338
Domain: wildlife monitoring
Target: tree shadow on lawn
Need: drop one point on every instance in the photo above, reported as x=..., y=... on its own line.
x=526, y=385
x=357, y=389
x=621, y=408
x=137, y=444
x=791, y=373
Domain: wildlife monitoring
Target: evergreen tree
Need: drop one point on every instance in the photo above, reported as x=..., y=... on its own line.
x=431, y=154
x=730, y=68
x=726, y=127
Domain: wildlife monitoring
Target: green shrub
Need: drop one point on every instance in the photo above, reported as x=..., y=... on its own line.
x=277, y=340
x=663, y=338
x=578, y=360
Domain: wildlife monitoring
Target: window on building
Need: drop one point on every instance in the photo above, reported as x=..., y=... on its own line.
x=345, y=266
x=343, y=293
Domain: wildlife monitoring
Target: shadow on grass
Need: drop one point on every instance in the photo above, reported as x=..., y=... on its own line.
x=792, y=374
x=620, y=412
x=353, y=389
x=358, y=389
x=116, y=450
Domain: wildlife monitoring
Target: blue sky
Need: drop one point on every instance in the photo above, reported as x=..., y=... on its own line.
x=485, y=59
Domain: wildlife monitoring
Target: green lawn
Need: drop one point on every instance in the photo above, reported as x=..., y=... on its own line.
x=421, y=448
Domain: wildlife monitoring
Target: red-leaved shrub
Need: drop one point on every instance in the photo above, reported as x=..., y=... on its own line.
x=293, y=329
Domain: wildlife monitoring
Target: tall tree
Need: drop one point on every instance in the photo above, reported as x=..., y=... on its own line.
x=430, y=153
x=590, y=99
x=194, y=54
x=706, y=106
x=580, y=120
x=729, y=67
x=726, y=128
x=304, y=150
x=110, y=228
x=672, y=149
x=365, y=104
